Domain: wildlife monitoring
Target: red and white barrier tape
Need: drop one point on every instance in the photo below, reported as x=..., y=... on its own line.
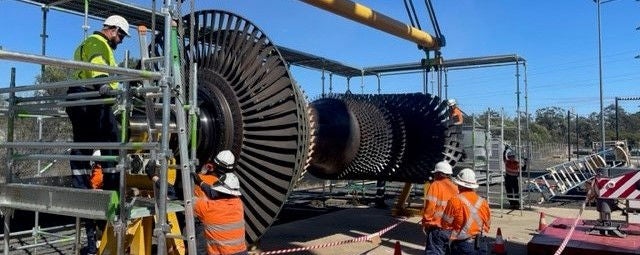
x=363, y=238
x=575, y=223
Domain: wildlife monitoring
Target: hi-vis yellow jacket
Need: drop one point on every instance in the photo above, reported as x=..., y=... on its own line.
x=96, y=50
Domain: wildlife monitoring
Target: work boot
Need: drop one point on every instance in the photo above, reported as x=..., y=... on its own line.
x=86, y=251
x=381, y=205
x=91, y=244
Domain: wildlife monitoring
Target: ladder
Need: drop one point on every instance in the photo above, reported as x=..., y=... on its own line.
x=101, y=204
x=564, y=177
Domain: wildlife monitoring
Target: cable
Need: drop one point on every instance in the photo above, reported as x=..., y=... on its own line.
x=411, y=12
x=434, y=22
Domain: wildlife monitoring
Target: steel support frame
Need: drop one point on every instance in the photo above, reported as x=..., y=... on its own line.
x=124, y=75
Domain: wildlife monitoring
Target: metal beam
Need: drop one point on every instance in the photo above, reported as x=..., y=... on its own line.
x=91, y=204
x=452, y=63
x=37, y=59
x=299, y=58
x=100, y=10
x=369, y=17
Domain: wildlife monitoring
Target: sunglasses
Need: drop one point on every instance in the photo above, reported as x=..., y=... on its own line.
x=121, y=34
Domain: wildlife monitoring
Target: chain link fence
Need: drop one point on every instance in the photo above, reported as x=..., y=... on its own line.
x=36, y=129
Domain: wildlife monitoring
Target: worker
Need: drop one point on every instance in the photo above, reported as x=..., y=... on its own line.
x=456, y=118
x=96, y=123
x=380, y=196
x=221, y=210
x=512, y=172
x=437, y=194
x=455, y=112
x=209, y=174
x=96, y=177
x=467, y=215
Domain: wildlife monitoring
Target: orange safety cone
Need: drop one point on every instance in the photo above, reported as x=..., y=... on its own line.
x=498, y=246
x=396, y=249
x=542, y=224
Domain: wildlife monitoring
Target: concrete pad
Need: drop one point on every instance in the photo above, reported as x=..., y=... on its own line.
x=333, y=233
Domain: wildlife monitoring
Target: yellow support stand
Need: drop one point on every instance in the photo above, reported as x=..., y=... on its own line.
x=138, y=239
x=401, y=208
x=175, y=246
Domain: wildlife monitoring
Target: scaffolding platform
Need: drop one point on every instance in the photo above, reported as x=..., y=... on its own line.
x=136, y=15
x=83, y=203
x=549, y=239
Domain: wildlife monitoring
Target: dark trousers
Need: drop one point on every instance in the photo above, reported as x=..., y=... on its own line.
x=463, y=248
x=437, y=241
x=511, y=186
x=201, y=240
x=468, y=247
x=380, y=190
x=93, y=123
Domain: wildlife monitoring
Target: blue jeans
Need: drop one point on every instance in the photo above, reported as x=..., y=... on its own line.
x=437, y=241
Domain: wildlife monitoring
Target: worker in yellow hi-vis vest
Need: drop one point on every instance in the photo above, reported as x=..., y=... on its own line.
x=96, y=123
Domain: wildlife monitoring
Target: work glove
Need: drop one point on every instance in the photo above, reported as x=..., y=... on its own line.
x=196, y=179
x=104, y=90
x=208, y=167
x=152, y=170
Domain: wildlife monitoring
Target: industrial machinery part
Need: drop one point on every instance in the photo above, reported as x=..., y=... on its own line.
x=365, y=15
x=609, y=186
x=397, y=137
x=248, y=104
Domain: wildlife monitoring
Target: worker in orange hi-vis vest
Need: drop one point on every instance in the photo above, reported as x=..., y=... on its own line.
x=455, y=112
x=219, y=207
x=437, y=195
x=467, y=215
x=512, y=172
x=209, y=174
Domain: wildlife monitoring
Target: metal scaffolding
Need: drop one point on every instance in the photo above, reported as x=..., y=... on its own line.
x=161, y=88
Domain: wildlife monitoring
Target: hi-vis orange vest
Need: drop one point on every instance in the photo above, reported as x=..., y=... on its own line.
x=511, y=167
x=223, y=219
x=465, y=215
x=439, y=193
x=456, y=116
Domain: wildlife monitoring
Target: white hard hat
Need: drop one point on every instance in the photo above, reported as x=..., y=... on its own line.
x=451, y=102
x=443, y=167
x=466, y=178
x=95, y=153
x=228, y=184
x=225, y=159
x=118, y=21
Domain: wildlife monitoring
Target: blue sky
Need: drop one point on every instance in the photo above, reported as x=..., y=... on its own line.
x=558, y=39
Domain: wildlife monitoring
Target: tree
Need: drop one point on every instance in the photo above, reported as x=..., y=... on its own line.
x=539, y=134
x=53, y=74
x=610, y=117
x=553, y=119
